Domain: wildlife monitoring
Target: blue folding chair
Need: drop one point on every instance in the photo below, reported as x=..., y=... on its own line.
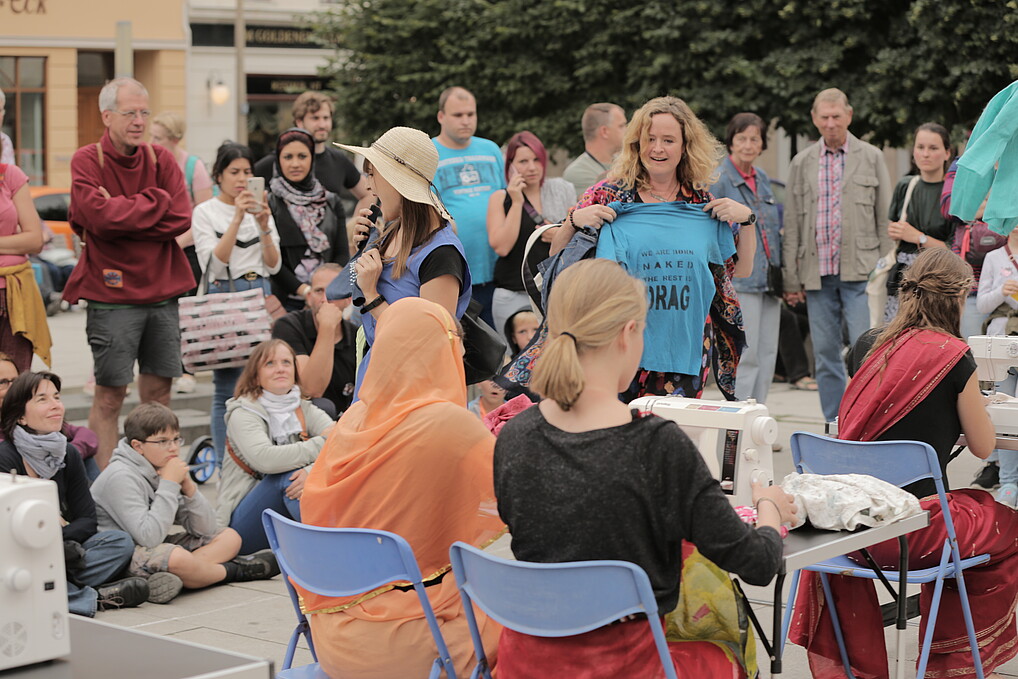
x=343, y=562
x=900, y=463
x=552, y=599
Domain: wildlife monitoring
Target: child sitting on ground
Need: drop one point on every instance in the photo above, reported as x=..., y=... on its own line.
x=146, y=489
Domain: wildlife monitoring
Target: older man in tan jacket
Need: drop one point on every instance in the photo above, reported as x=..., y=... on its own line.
x=835, y=229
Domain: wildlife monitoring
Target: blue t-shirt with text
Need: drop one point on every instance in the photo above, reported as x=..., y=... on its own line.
x=668, y=246
x=465, y=179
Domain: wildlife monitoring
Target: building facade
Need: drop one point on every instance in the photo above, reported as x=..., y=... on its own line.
x=280, y=61
x=55, y=56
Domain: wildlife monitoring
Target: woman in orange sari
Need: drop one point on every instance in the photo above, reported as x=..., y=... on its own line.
x=886, y=402
x=411, y=459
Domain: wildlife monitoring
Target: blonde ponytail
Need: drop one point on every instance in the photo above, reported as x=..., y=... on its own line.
x=590, y=303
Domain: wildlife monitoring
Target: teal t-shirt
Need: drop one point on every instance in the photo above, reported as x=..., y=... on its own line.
x=668, y=246
x=465, y=180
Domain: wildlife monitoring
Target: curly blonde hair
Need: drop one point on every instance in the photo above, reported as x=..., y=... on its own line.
x=701, y=152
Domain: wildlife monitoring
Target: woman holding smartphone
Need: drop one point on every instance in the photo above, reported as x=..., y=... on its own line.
x=529, y=200
x=238, y=249
x=309, y=219
x=418, y=253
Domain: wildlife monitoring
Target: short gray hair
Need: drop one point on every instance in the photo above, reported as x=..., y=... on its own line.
x=3, y=98
x=108, y=94
x=595, y=116
x=831, y=95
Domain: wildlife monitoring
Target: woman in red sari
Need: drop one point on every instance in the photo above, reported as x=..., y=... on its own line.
x=885, y=402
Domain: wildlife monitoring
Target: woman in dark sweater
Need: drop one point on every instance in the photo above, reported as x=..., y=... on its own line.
x=580, y=477
x=31, y=418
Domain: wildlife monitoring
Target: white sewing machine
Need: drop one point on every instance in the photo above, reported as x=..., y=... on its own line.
x=994, y=356
x=734, y=438
x=33, y=586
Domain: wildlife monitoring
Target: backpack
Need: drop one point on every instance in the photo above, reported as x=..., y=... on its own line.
x=977, y=240
x=515, y=375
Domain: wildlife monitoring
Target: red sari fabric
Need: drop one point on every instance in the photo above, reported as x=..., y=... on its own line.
x=983, y=526
x=891, y=382
x=880, y=395
x=622, y=650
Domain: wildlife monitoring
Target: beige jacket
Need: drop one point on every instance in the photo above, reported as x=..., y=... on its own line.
x=247, y=428
x=865, y=198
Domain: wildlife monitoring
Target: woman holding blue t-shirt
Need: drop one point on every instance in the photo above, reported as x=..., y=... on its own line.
x=418, y=254
x=668, y=161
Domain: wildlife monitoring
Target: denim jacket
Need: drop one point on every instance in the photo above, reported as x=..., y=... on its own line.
x=730, y=184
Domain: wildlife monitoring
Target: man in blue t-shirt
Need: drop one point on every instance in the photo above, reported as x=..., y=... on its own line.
x=470, y=169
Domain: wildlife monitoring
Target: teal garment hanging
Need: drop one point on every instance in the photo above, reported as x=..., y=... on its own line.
x=994, y=141
x=669, y=246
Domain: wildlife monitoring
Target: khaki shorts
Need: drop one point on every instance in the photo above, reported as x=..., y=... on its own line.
x=150, y=560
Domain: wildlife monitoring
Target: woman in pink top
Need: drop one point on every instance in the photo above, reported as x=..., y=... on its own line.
x=20, y=236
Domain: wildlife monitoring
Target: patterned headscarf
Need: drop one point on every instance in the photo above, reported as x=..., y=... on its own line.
x=305, y=199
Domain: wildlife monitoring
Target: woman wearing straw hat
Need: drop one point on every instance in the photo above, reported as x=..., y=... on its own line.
x=418, y=253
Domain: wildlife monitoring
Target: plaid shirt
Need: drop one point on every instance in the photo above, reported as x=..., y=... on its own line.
x=829, y=180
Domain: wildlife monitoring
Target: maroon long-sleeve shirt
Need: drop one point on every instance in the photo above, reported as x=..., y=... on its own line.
x=130, y=255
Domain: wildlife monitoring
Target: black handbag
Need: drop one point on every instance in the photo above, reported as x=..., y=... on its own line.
x=775, y=280
x=484, y=348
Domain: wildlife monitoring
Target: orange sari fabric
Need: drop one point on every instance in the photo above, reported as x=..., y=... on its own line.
x=411, y=459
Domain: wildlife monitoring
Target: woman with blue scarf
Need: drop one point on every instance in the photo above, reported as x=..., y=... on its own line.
x=31, y=418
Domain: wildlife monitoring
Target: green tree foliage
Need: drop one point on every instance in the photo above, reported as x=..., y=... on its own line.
x=536, y=64
x=950, y=60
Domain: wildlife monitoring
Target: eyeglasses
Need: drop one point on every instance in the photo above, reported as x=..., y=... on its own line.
x=166, y=444
x=5, y=383
x=145, y=114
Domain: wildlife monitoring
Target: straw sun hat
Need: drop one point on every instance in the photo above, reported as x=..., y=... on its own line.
x=407, y=159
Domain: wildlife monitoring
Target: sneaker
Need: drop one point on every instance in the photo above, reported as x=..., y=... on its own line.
x=258, y=566
x=185, y=384
x=988, y=477
x=126, y=593
x=163, y=587
x=1008, y=495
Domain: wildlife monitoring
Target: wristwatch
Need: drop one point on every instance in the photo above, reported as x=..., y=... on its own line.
x=750, y=221
x=922, y=240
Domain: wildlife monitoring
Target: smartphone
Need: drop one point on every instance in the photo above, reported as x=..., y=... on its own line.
x=256, y=185
x=374, y=217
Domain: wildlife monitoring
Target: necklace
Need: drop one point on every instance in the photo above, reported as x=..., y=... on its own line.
x=665, y=198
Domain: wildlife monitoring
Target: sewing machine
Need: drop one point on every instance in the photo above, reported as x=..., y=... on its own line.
x=33, y=586
x=995, y=355
x=734, y=438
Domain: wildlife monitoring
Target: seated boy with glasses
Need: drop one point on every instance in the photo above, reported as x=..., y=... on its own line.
x=146, y=490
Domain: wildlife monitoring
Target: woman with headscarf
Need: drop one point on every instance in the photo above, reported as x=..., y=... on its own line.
x=417, y=253
x=307, y=217
x=411, y=459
